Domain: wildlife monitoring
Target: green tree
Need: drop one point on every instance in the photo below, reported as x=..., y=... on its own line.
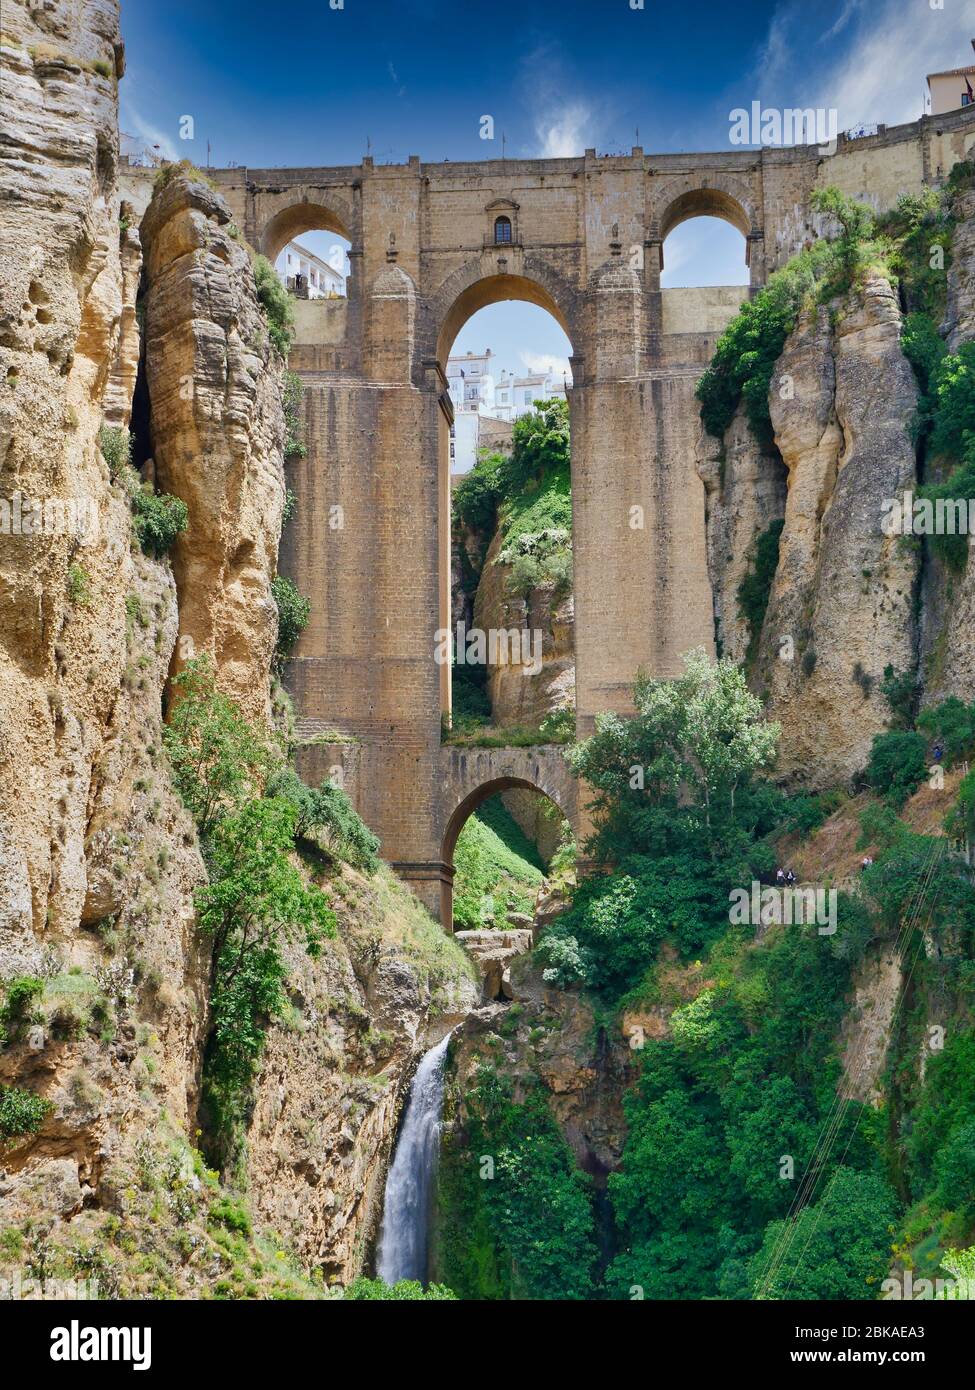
x=217, y=759
x=690, y=753
x=897, y=766
x=254, y=896
x=838, y=1247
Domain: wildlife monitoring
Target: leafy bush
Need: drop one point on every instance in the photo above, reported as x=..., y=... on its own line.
x=21, y=1113
x=216, y=757
x=953, y=723
x=839, y=1247
x=116, y=447
x=294, y=443
x=226, y=1212
x=254, y=895
x=79, y=586
x=747, y=351
x=476, y=496
x=756, y=587
x=409, y=1290
x=158, y=518
x=327, y=812
x=273, y=299
x=559, y=726
x=897, y=765
x=293, y=611
x=901, y=691
x=19, y=1010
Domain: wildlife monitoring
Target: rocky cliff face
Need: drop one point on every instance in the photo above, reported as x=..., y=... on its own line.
x=335, y=1071
x=520, y=693
x=745, y=486
x=217, y=433
x=842, y=603
x=99, y=861
x=843, y=591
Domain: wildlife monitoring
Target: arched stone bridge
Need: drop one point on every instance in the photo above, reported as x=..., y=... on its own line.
x=370, y=544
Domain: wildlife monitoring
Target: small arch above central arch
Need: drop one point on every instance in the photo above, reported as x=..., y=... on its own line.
x=295, y=219
x=704, y=202
x=493, y=289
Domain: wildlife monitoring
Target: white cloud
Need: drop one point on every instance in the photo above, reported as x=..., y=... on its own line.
x=563, y=125
x=565, y=130
x=145, y=134
x=842, y=20
x=546, y=362
x=875, y=72
x=881, y=78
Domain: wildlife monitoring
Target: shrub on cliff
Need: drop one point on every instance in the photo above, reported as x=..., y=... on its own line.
x=327, y=812
x=158, y=518
x=255, y=895
x=897, y=766
x=293, y=611
x=273, y=299
x=217, y=759
x=21, y=1113
x=755, y=589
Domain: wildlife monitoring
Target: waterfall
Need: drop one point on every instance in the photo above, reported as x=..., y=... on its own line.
x=404, y=1235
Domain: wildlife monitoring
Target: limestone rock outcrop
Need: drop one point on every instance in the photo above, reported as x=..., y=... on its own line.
x=745, y=486
x=553, y=1037
x=539, y=675
x=217, y=432
x=336, y=1071
x=842, y=602
x=62, y=586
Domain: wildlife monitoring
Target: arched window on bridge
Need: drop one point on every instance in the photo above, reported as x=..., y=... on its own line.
x=705, y=276
x=502, y=231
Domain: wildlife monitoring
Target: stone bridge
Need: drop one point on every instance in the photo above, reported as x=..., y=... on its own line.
x=370, y=543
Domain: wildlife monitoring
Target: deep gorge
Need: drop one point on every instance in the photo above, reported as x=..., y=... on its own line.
x=261, y=855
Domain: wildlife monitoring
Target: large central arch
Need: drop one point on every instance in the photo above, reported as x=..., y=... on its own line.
x=475, y=286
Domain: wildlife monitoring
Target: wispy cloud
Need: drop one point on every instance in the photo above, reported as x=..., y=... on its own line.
x=144, y=132
x=563, y=125
x=850, y=8
x=870, y=63
x=394, y=75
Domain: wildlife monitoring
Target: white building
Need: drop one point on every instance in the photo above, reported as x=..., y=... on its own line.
x=475, y=393
x=306, y=274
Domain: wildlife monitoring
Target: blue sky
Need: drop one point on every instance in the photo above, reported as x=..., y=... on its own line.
x=303, y=83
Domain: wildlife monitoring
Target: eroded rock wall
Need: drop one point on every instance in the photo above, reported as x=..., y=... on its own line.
x=217, y=432
x=522, y=691
x=335, y=1072
x=745, y=486
x=842, y=602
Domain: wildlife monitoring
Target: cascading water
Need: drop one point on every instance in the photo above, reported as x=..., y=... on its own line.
x=403, y=1238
